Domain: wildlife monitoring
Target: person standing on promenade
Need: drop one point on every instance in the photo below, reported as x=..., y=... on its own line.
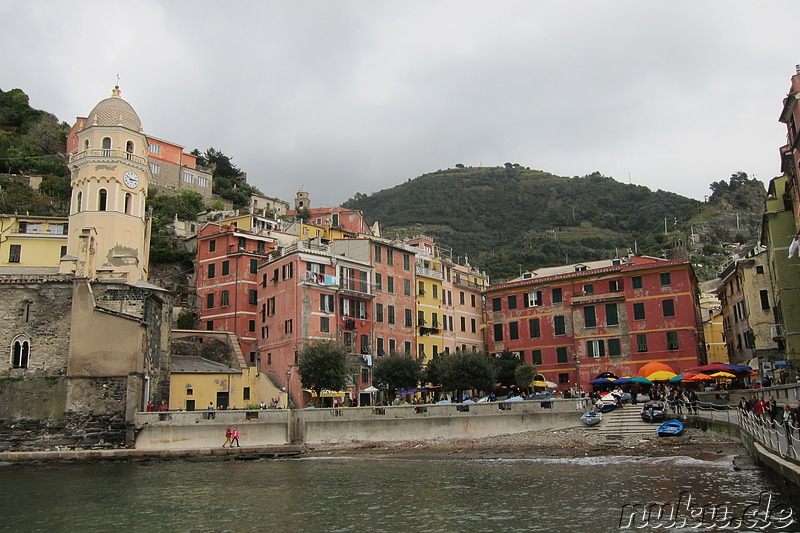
x=761, y=410
x=235, y=437
x=789, y=422
x=163, y=407
x=228, y=435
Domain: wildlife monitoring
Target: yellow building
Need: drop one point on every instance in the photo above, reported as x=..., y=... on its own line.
x=27, y=241
x=713, y=328
x=432, y=319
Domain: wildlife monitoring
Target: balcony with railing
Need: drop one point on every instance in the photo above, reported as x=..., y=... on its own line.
x=103, y=154
x=428, y=272
x=467, y=284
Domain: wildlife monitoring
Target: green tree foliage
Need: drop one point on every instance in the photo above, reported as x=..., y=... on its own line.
x=523, y=375
x=505, y=365
x=230, y=182
x=186, y=206
x=324, y=365
x=462, y=371
x=396, y=371
x=31, y=141
x=740, y=192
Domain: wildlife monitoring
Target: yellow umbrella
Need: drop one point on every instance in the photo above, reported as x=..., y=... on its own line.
x=542, y=384
x=723, y=375
x=661, y=375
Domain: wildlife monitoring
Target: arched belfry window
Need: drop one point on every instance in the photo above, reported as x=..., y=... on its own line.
x=20, y=352
x=107, y=146
x=79, y=202
x=86, y=144
x=128, y=203
x=129, y=149
x=102, y=200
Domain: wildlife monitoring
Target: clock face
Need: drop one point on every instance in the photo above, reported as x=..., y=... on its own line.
x=131, y=179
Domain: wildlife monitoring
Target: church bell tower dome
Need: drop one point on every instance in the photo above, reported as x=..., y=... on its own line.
x=114, y=111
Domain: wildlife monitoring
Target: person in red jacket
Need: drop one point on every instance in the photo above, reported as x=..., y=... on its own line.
x=762, y=410
x=235, y=437
x=228, y=435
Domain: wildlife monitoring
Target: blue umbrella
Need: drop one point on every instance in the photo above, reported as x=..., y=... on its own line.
x=601, y=381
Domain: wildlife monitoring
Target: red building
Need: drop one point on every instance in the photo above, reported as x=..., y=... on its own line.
x=575, y=322
x=227, y=282
x=307, y=293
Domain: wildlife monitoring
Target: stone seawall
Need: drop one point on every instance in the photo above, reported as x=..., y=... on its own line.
x=174, y=430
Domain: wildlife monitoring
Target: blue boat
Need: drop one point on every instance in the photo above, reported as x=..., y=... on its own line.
x=670, y=428
x=605, y=407
x=591, y=418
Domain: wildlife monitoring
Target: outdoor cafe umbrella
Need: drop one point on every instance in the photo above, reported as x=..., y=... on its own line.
x=679, y=377
x=551, y=385
x=700, y=377
x=723, y=375
x=639, y=379
x=601, y=381
x=661, y=375
x=654, y=366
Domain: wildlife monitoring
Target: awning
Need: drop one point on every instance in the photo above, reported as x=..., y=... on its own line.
x=328, y=393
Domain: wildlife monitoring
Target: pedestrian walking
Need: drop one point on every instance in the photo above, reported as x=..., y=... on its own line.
x=228, y=435
x=235, y=437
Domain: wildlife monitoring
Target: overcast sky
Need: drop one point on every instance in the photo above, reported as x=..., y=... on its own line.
x=358, y=96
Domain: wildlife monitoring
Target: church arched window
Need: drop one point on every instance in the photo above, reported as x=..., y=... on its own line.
x=86, y=144
x=79, y=202
x=102, y=200
x=106, y=146
x=20, y=352
x=128, y=203
x=129, y=149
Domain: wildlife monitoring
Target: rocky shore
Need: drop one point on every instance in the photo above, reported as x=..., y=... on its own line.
x=571, y=442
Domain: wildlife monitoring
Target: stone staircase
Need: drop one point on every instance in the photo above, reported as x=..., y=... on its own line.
x=625, y=421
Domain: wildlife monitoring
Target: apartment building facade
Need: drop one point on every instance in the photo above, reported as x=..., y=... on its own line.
x=576, y=322
x=32, y=242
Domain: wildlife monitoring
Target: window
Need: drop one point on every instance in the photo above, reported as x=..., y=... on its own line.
x=326, y=303
x=270, y=306
x=472, y=300
x=764, y=299
x=513, y=331
x=461, y=297
x=364, y=344
x=406, y=287
x=226, y=268
x=473, y=325
x=497, y=304
x=406, y=262
x=212, y=268
x=420, y=318
x=636, y=282
x=20, y=353
x=589, y=316
x=128, y=203
x=155, y=168
x=406, y=347
x=463, y=323
x=379, y=312
x=557, y=295
x=201, y=181
x=668, y=307
x=223, y=301
x=212, y=245
x=390, y=285
x=390, y=310
x=287, y=326
x=245, y=393
x=379, y=343
x=435, y=291
x=749, y=339
x=612, y=317
x=210, y=300
x=614, y=347
x=102, y=200
x=672, y=340
x=409, y=318
x=153, y=148
x=559, y=325
x=421, y=349
x=378, y=282
x=537, y=357
x=254, y=266
x=563, y=378
x=533, y=299
x=390, y=257
x=498, y=332
x=533, y=327
x=588, y=289
x=14, y=253
x=512, y=301
x=422, y=288
x=434, y=320
x=324, y=324
x=253, y=294
x=79, y=201
x=614, y=285
x=377, y=254
x=666, y=279
x=638, y=311
x=251, y=325
x=759, y=269
x=561, y=354
x=595, y=348
x=188, y=177
x=210, y=325
x=641, y=342
x=106, y=143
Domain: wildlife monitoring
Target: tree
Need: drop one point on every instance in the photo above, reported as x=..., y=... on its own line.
x=396, y=371
x=505, y=364
x=324, y=365
x=523, y=375
x=462, y=371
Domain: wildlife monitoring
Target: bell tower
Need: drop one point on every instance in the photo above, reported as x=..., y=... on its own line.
x=109, y=232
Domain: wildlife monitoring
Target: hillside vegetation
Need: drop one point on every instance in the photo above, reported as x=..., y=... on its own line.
x=511, y=219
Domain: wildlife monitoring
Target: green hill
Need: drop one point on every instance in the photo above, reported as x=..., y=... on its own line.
x=511, y=219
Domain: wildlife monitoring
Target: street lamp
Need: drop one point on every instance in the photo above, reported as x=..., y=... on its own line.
x=288, y=394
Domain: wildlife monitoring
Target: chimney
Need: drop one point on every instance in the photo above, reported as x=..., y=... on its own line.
x=797, y=69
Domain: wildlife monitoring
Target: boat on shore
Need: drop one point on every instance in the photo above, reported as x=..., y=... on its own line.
x=591, y=418
x=670, y=428
x=654, y=411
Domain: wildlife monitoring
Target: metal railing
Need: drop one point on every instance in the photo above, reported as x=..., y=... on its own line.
x=101, y=153
x=773, y=435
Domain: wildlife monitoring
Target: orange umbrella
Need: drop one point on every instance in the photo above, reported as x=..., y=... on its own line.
x=700, y=377
x=654, y=366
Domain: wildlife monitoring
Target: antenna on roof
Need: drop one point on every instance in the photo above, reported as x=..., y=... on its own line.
x=117, y=80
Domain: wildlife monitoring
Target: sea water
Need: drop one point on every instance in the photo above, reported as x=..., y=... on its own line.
x=388, y=494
